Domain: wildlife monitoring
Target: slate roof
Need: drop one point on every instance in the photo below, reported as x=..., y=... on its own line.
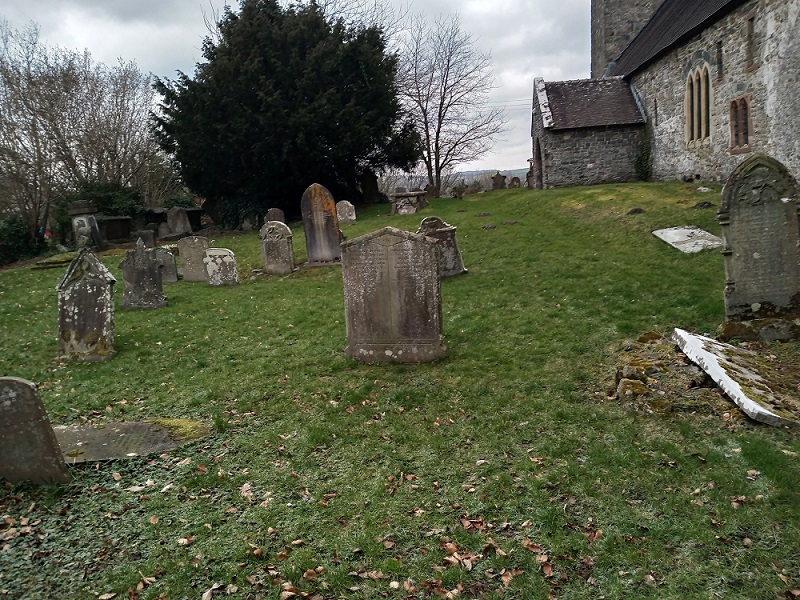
x=592, y=103
x=674, y=22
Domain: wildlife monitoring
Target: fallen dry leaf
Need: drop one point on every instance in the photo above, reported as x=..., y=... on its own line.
x=116, y=476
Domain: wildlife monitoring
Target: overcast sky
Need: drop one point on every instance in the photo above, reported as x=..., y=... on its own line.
x=526, y=38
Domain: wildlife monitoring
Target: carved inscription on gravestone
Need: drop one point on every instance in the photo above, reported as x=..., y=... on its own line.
x=393, y=304
x=192, y=250
x=276, y=248
x=141, y=278
x=321, y=226
x=86, y=310
x=220, y=264
x=29, y=450
x=761, y=241
x=450, y=262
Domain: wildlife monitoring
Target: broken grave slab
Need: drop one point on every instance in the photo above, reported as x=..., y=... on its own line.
x=688, y=238
x=750, y=383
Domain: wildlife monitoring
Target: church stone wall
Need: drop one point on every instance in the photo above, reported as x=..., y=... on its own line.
x=771, y=79
x=588, y=156
x=614, y=24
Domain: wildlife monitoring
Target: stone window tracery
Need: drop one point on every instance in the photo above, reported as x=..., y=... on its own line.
x=697, y=106
x=741, y=124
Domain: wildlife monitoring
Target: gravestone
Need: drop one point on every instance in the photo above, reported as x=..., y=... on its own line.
x=514, y=184
x=220, y=265
x=345, y=212
x=450, y=262
x=86, y=310
x=275, y=214
x=141, y=278
x=164, y=231
x=169, y=269
x=276, y=248
x=147, y=236
x=178, y=220
x=761, y=243
x=29, y=450
x=392, y=297
x=321, y=226
x=192, y=250
x=498, y=181
x=688, y=238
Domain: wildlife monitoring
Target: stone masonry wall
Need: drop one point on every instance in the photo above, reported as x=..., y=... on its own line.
x=588, y=156
x=772, y=81
x=614, y=24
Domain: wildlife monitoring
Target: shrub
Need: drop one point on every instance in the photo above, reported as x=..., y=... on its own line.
x=16, y=242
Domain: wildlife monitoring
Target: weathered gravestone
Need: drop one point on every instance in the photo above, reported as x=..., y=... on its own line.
x=86, y=310
x=163, y=230
x=498, y=181
x=761, y=249
x=345, y=212
x=29, y=450
x=275, y=214
x=276, y=248
x=514, y=184
x=392, y=297
x=220, y=265
x=147, y=236
x=450, y=262
x=192, y=250
x=141, y=278
x=169, y=269
x=321, y=226
x=178, y=220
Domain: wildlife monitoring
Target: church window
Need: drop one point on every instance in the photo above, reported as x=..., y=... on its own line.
x=697, y=106
x=750, y=42
x=741, y=125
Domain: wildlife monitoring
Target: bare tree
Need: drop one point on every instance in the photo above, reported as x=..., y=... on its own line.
x=445, y=81
x=66, y=120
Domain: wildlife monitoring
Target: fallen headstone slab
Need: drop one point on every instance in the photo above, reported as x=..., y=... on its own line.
x=109, y=441
x=688, y=239
x=751, y=383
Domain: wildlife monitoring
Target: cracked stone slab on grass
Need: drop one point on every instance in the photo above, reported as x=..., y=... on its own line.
x=688, y=239
x=743, y=376
x=86, y=443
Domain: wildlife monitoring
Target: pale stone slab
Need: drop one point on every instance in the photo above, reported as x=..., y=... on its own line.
x=277, y=249
x=220, y=264
x=346, y=212
x=86, y=310
x=688, y=238
x=169, y=269
x=740, y=375
x=192, y=250
x=178, y=220
x=28, y=448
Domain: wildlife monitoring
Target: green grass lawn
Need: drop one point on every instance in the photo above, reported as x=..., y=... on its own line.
x=505, y=470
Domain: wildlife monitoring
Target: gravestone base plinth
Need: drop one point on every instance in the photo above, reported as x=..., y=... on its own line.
x=766, y=330
x=408, y=353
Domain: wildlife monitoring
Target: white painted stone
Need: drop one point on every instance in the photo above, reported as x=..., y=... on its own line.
x=688, y=238
x=731, y=368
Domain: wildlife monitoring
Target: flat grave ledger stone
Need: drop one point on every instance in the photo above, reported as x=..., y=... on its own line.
x=220, y=264
x=277, y=249
x=275, y=214
x=761, y=237
x=346, y=212
x=141, y=278
x=392, y=297
x=192, y=250
x=178, y=220
x=86, y=310
x=688, y=239
x=450, y=262
x=321, y=226
x=169, y=269
x=29, y=450
x=749, y=382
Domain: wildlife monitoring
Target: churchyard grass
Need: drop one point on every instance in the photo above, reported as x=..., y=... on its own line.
x=507, y=470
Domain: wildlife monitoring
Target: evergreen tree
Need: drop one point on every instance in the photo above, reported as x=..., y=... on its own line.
x=285, y=98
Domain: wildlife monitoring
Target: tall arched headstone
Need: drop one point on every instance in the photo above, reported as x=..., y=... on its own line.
x=392, y=297
x=29, y=450
x=86, y=310
x=321, y=226
x=761, y=242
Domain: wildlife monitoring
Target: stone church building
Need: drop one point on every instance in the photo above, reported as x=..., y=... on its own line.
x=680, y=89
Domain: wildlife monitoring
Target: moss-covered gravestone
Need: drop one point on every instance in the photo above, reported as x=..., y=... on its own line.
x=761, y=247
x=392, y=297
x=450, y=262
x=86, y=310
x=141, y=278
x=321, y=226
x=220, y=265
x=29, y=450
